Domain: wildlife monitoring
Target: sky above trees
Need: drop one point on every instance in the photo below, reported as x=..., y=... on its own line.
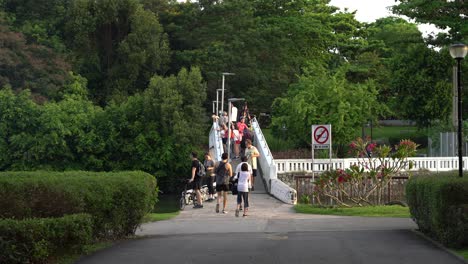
x=370, y=10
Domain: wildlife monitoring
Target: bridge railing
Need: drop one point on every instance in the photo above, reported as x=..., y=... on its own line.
x=425, y=163
x=215, y=142
x=266, y=161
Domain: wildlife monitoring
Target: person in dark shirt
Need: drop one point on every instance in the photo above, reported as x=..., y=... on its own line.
x=196, y=180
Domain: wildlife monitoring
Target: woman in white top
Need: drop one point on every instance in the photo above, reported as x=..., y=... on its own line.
x=243, y=184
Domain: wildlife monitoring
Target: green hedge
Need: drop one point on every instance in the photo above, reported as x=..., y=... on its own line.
x=37, y=240
x=439, y=204
x=116, y=201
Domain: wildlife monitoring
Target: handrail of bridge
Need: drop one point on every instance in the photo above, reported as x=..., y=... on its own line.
x=215, y=142
x=320, y=165
x=266, y=161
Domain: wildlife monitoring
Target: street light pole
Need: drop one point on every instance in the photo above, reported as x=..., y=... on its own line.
x=222, y=88
x=458, y=52
x=230, y=100
x=217, y=101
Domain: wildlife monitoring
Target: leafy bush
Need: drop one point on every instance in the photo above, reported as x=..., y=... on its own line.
x=439, y=204
x=421, y=140
x=116, y=201
x=36, y=240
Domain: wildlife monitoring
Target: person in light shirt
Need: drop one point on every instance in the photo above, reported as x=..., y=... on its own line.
x=251, y=152
x=239, y=169
x=243, y=183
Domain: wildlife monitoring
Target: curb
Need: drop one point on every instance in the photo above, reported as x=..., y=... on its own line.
x=439, y=245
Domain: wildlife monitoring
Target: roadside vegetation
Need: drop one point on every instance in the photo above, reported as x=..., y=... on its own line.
x=367, y=211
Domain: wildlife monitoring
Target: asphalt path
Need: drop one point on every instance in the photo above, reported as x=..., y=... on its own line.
x=273, y=233
x=365, y=247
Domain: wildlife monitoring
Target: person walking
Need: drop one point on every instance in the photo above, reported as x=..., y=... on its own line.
x=243, y=184
x=251, y=152
x=196, y=179
x=210, y=175
x=239, y=169
x=223, y=175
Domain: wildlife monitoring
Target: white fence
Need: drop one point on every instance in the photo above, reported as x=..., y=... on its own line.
x=430, y=164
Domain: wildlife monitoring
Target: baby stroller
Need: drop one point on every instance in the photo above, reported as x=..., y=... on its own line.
x=189, y=196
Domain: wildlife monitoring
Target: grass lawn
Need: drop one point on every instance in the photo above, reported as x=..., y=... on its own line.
x=166, y=208
x=462, y=252
x=373, y=211
x=277, y=143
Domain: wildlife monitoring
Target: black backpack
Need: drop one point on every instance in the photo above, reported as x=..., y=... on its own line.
x=201, y=170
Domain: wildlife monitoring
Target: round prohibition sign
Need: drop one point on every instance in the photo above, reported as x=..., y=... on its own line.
x=321, y=134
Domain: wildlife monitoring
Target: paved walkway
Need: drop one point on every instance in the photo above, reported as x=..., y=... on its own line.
x=273, y=233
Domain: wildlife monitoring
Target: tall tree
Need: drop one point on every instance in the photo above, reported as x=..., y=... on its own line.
x=31, y=66
x=323, y=98
x=449, y=15
x=118, y=46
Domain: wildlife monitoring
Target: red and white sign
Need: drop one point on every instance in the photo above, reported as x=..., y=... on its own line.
x=321, y=135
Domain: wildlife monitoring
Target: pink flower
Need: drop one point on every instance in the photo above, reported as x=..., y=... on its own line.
x=341, y=179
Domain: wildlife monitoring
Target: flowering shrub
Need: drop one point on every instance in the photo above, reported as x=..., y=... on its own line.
x=375, y=168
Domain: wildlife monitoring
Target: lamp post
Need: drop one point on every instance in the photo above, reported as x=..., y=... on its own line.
x=222, y=88
x=458, y=52
x=214, y=104
x=230, y=100
x=217, y=101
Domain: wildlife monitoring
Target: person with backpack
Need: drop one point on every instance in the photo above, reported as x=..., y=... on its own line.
x=223, y=175
x=210, y=175
x=198, y=170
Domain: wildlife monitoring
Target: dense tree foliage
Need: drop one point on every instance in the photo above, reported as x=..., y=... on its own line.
x=118, y=46
x=322, y=98
x=111, y=91
x=447, y=15
x=31, y=66
x=154, y=130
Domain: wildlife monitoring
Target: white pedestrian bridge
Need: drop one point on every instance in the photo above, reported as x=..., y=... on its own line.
x=270, y=167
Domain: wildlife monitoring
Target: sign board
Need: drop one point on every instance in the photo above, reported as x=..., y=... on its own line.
x=321, y=139
x=321, y=136
x=233, y=114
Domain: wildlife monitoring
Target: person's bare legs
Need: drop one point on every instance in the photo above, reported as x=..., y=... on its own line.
x=199, y=197
x=224, y=201
x=218, y=197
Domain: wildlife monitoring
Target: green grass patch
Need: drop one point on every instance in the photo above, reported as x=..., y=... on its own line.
x=372, y=211
x=277, y=143
x=166, y=208
x=385, y=132
x=153, y=217
x=462, y=252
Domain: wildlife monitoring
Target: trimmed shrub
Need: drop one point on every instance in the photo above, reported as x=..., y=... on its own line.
x=439, y=204
x=36, y=240
x=117, y=201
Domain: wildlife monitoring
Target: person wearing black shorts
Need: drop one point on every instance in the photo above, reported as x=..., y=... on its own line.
x=196, y=180
x=223, y=175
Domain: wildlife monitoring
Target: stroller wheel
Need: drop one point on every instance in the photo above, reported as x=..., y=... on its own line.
x=182, y=203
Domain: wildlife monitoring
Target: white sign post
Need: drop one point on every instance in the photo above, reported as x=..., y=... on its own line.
x=321, y=139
